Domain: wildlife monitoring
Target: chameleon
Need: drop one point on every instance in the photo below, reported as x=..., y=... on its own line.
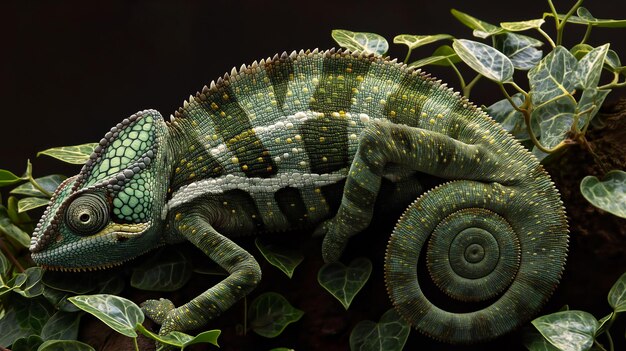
x=305, y=140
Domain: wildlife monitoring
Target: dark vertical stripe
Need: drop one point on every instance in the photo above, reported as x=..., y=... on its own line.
x=233, y=124
x=279, y=71
x=326, y=138
x=292, y=206
x=333, y=194
x=242, y=201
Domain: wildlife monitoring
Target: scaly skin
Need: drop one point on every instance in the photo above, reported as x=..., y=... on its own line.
x=306, y=139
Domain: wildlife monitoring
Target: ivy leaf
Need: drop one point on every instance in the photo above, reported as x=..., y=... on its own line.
x=75, y=154
x=345, y=282
x=509, y=118
x=580, y=50
x=608, y=194
x=181, y=340
x=30, y=343
x=443, y=56
x=587, y=19
x=169, y=273
x=61, y=326
x=270, y=313
x=30, y=285
x=481, y=29
x=8, y=178
x=589, y=68
x=22, y=317
x=617, y=295
x=117, y=312
x=64, y=345
x=520, y=49
x=11, y=230
x=484, y=59
x=29, y=203
x=415, y=41
x=551, y=77
x=284, y=259
x=568, y=330
x=590, y=102
x=555, y=120
x=522, y=25
x=366, y=43
x=389, y=334
x=534, y=341
x=49, y=183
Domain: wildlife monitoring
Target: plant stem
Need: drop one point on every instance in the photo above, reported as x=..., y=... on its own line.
x=582, y=140
x=561, y=25
x=608, y=336
x=468, y=88
x=408, y=54
x=545, y=35
x=587, y=33
x=7, y=252
x=461, y=80
x=136, y=345
x=38, y=187
x=599, y=345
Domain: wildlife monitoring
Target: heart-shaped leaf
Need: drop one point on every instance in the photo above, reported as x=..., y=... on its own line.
x=589, y=68
x=64, y=345
x=345, y=282
x=58, y=299
x=61, y=326
x=552, y=77
x=29, y=203
x=608, y=194
x=522, y=25
x=22, y=318
x=181, y=340
x=415, y=41
x=78, y=283
x=361, y=41
x=49, y=183
x=28, y=283
x=284, y=259
x=520, y=49
x=443, y=56
x=169, y=272
x=481, y=29
x=8, y=178
x=30, y=343
x=121, y=314
x=568, y=330
x=389, y=334
x=534, y=341
x=588, y=19
x=484, y=59
x=617, y=295
x=270, y=313
x=75, y=154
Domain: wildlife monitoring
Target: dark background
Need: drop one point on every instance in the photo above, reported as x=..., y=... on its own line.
x=71, y=70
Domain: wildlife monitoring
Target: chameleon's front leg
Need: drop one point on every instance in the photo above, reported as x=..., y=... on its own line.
x=244, y=274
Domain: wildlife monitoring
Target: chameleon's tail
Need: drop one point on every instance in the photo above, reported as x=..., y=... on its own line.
x=499, y=251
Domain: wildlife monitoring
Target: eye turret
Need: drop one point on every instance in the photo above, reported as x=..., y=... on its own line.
x=87, y=214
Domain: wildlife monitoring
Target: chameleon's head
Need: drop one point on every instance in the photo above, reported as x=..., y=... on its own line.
x=111, y=211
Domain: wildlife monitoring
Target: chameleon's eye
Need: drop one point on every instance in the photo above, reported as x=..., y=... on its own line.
x=87, y=214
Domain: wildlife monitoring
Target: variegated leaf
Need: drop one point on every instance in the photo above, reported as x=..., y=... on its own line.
x=484, y=59
x=361, y=41
x=415, y=41
x=551, y=77
x=481, y=29
x=589, y=68
x=608, y=194
x=522, y=25
x=520, y=49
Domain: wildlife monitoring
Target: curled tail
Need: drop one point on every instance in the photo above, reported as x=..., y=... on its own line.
x=500, y=249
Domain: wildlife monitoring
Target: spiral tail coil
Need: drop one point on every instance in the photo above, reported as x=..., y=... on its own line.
x=484, y=242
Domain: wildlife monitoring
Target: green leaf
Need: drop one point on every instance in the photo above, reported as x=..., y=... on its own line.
x=29, y=203
x=61, y=326
x=568, y=330
x=389, y=334
x=522, y=25
x=22, y=318
x=520, y=49
x=443, y=56
x=612, y=61
x=617, y=294
x=345, y=282
x=75, y=154
x=30, y=343
x=181, y=340
x=8, y=178
x=117, y=312
x=589, y=68
x=32, y=285
x=270, y=313
x=481, y=29
x=11, y=230
x=415, y=41
x=169, y=272
x=590, y=102
x=587, y=19
x=608, y=194
x=284, y=259
x=78, y=283
x=580, y=50
x=58, y=299
x=16, y=217
x=361, y=41
x=64, y=345
x=49, y=183
x=484, y=59
x=551, y=77
x=534, y=341
x=603, y=322
x=509, y=118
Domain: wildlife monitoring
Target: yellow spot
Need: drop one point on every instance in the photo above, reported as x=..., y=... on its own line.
x=277, y=140
x=192, y=147
x=392, y=113
x=318, y=190
x=214, y=106
x=359, y=78
x=289, y=140
x=432, y=121
x=177, y=170
x=225, y=96
x=322, y=139
x=178, y=216
x=234, y=160
x=325, y=159
x=298, y=137
x=244, y=167
x=192, y=175
x=223, y=114
x=311, y=209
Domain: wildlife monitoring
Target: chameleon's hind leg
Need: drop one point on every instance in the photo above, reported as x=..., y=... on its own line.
x=244, y=274
x=382, y=143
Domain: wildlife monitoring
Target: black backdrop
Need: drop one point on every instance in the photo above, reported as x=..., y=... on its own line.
x=71, y=70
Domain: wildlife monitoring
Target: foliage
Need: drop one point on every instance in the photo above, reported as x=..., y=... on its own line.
x=284, y=259
x=578, y=330
x=270, y=313
x=563, y=92
x=389, y=334
x=344, y=282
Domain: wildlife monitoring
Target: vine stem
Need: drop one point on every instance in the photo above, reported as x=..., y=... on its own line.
x=408, y=54
x=468, y=88
x=7, y=252
x=587, y=33
x=135, y=343
x=545, y=35
x=461, y=80
x=560, y=24
x=608, y=336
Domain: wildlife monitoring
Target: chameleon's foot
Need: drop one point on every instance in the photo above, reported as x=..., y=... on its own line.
x=157, y=310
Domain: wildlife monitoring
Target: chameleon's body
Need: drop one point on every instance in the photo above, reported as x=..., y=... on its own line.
x=265, y=148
